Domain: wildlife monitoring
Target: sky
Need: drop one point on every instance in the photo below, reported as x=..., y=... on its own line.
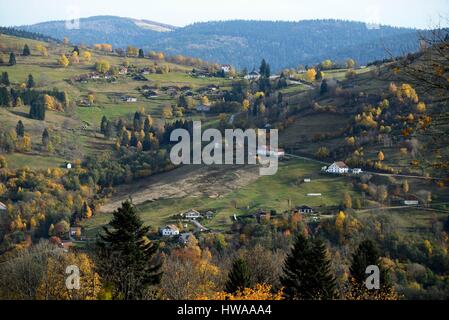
x=403, y=13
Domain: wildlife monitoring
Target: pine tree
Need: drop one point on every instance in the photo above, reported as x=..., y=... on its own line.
x=37, y=110
x=26, y=51
x=5, y=79
x=5, y=97
x=324, y=87
x=307, y=273
x=239, y=278
x=137, y=121
x=446, y=225
x=12, y=59
x=30, y=82
x=104, y=124
x=324, y=280
x=366, y=255
x=127, y=259
x=20, y=129
x=109, y=132
x=141, y=53
x=45, y=138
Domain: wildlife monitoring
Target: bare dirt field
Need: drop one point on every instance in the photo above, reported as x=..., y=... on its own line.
x=186, y=181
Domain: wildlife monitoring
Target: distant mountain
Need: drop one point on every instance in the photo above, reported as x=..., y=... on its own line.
x=245, y=43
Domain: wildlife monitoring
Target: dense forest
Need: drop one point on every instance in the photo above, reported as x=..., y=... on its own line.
x=244, y=43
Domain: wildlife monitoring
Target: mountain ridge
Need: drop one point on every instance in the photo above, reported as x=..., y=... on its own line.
x=243, y=43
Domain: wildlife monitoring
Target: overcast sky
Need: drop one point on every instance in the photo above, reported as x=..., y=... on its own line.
x=408, y=13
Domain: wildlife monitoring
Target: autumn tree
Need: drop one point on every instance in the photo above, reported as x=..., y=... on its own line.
x=53, y=284
x=127, y=258
x=63, y=61
x=311, y=75
x=102, y=66
x=350, y=63
x=239, y=277
x=347, y=200
x=87, y=56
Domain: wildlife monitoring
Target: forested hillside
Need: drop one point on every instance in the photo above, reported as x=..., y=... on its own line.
x=244, y=43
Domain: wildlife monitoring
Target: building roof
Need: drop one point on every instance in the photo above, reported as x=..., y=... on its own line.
x=341, y=164
x=304, y=208
x=2, y=206
x=172, y=227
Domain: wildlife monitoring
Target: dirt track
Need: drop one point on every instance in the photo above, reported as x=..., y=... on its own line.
x=186, y=181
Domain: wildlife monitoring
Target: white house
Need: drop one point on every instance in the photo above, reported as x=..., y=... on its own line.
x=191, y=214
x=305, y=209
x=170, y=231
x=2, y=206
x=356, y=171
x=226, y=68
x=129, y=99
x=254, y=75
x=338, y=167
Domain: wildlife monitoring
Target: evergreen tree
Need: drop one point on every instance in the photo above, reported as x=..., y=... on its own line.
x=12, y=59
x=324, y=281
x=366, y=255
x=26, y=51
x=147, y=125
x=446, y=225
x=30, y=82
x=141, y=53
x=263, y=68
x=37, y=110
x=104, y=124
x=20, y=129
x=109, y=132
x=5, y=97
x=324, y=87
x=5, y=79
x=239, y=277
x=137, y=121
x=127, y=259
x=45, y=138
x=307, y=274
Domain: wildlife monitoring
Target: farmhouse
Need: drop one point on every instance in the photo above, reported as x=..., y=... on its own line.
x=170, y=231
x=226, y=68
x=338, y=167
x=191, y=214
x=304, y=210
x=253, y=75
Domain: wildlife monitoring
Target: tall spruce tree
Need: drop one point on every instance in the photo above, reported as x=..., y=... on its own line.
x=239, y=277
x=20, y=129
x=104, y=124
x=367, y=254
x=5, y=97
x=5, y=79
x=12, y=59
x=45, y=138
x=37, y=109
x=127, y=259
x=141, y=53
x=26, y=51
x=30, y=82
x=307, y=272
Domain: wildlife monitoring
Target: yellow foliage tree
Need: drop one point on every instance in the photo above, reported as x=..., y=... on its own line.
x=63, y=61
x=260, y=292
x=311, y=75
x=87, y=56
x=53, y=285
